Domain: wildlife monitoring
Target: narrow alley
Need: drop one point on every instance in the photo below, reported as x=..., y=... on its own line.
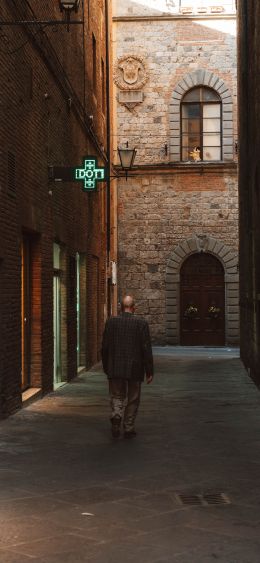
x=185, y=490
x=129, y=183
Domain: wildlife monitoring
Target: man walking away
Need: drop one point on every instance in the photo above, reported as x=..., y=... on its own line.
x=126, y=357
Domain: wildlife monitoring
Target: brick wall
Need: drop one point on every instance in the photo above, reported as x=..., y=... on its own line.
x=46, y=98
x=249, y=184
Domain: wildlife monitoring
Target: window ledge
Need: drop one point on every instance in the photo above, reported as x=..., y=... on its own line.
x=205, y=163
x=180, y=167
x=176, y=16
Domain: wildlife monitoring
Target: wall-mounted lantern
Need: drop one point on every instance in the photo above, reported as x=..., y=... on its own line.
x=68, y=6
x=127, y=157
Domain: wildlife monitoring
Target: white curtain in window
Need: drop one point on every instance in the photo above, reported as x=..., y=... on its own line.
x=211, y=132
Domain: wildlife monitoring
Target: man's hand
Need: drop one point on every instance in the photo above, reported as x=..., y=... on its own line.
x=149, y=378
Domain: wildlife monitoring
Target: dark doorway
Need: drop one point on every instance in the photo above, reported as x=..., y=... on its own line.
x=93, y=309
x=202, y=301
x=26, y=312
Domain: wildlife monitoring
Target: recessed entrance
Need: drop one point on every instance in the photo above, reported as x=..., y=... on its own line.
x=202, y=301
x=57, y=315
x=26, y=312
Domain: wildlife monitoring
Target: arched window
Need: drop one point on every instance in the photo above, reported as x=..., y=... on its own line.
x=201, y=117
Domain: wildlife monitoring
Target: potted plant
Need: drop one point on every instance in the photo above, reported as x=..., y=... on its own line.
x=214, y=311
x=191, y=311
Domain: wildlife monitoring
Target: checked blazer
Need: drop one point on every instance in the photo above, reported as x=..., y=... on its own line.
x=126, y=348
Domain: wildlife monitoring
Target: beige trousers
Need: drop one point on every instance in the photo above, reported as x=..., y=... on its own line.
x=125, y=398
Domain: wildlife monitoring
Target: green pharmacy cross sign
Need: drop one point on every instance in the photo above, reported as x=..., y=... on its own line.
x=90, y=173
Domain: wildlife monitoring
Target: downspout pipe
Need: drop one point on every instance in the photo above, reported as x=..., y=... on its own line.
x=108, y=126
x=108, y=151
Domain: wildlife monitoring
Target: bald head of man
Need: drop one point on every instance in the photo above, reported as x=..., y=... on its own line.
x=128, y=304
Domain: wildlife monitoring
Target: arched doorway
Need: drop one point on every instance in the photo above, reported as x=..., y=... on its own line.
x=202, y=301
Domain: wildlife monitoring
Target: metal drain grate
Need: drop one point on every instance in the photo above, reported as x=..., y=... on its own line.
x=206, y=499
x=216, y=498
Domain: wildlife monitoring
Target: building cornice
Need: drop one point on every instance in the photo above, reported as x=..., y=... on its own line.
x=170, y=17
x=169, y=169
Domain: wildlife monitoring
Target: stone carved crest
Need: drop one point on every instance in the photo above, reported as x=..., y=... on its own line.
x=202, y=242
x=130, y=69
x=130, y=72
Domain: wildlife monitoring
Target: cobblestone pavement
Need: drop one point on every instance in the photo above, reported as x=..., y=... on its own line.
x=70, y=494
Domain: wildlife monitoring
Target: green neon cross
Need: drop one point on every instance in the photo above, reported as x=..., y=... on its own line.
x=90, y=174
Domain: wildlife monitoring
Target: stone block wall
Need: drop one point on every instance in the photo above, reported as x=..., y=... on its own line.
x=166, y=204
x=174, y=50
x=158, y=213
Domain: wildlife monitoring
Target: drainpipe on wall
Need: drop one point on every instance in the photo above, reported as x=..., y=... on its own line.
x=108, y=146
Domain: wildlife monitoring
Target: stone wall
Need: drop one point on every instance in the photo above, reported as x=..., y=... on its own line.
x=167, y=203
x=158, y=213
x=172, y=50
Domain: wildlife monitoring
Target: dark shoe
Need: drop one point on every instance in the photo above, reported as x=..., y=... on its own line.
x=129, y=434
x=116, y=423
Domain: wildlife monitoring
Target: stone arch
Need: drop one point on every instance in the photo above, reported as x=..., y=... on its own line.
x=229, y=260
x=202, y=77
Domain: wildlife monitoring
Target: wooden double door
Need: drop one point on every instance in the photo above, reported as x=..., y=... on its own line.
x=202, y=301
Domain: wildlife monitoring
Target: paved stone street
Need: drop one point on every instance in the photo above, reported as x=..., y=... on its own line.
x=70, y=494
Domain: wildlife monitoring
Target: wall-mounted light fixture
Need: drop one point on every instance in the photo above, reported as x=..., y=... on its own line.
x=66, y=7
x=69, y=5
x=127, y=157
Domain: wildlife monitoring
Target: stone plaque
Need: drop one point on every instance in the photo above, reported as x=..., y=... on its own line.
x=130, y=98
